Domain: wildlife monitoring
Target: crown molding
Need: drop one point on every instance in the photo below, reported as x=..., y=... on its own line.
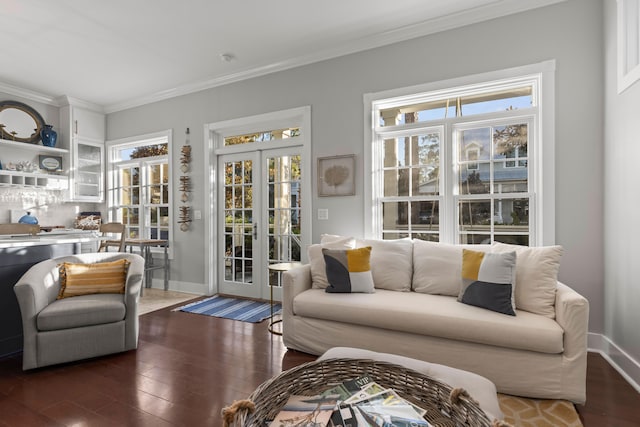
x=496, y=9
x=57, y=101
x=28, y=94
x=65, y=100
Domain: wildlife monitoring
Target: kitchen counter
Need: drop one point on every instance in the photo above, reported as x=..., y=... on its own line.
x=48, y=238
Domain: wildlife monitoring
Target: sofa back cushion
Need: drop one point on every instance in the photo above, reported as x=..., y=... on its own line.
x=437, y=267
x=536, y=275
x=391, y=263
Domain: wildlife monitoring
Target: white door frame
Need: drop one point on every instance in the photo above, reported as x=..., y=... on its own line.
x=214, y=134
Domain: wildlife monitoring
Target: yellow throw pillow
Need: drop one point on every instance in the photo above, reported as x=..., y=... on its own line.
x=348, y=270
x=488, y=280
x=99, y=278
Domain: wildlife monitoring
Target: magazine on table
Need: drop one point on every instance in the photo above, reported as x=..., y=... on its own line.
x=365, y=403
x=367, y=391
x=306, y=411
x=348, y=388
x=387, y=402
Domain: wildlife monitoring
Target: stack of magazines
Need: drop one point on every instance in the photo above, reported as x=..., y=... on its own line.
x=356, y=403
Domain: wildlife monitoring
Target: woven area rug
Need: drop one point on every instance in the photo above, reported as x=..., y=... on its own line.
x=155, y=299
x=245, y=310
x=523, y=412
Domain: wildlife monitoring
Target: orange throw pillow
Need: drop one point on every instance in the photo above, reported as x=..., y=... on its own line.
x=99, y=278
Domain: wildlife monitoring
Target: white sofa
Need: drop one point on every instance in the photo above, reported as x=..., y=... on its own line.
x=540, y=352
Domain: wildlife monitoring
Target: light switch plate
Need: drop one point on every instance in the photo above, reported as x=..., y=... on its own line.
x=323, y=214
x=197, y=214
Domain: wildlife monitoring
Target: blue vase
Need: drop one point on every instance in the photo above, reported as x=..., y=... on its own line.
x=28, y=219
x=49, y=136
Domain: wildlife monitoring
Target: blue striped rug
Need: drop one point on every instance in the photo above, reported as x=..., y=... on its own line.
x=232, y=308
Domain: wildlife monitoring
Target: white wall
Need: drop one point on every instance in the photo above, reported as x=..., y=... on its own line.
x=622, y=209
x=569, y=32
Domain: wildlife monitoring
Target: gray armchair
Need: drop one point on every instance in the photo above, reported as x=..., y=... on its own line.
x=79, y=327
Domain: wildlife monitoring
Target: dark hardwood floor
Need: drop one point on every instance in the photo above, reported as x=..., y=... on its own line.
x=189, y=366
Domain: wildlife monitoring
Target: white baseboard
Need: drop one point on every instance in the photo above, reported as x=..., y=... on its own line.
x=621, y=361
x=187, y=287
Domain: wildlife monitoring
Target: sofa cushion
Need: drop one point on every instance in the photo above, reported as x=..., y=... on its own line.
x=348, y=270
x=97, y=278
x=437, y=266
x=536, y=275
x=316, y=259
x=391, y=263
x=488, y=280
x=433, y=315
x=85, y=310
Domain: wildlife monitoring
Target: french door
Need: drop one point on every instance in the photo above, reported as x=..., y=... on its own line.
x=259, y=223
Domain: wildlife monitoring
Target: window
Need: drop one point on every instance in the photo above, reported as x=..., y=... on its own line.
x=628, y=22
x=262, y=136
x=463, y=163
x=139, y=187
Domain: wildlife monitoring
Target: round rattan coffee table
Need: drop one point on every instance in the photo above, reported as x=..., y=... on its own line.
x=445, y=407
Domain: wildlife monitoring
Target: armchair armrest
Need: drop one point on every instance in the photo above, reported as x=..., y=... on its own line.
x=134, y=283
x=35, y=290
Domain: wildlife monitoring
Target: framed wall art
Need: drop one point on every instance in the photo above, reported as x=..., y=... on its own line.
x=336, y=176
x=50, y=163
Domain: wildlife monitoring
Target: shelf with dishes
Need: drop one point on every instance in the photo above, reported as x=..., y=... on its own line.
x=29, y=165
x=35, y=180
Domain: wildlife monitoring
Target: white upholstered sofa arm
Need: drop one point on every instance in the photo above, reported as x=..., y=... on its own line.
x=294, y=282
x=572, y=314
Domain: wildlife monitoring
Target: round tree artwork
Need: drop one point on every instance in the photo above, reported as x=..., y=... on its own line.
x=337, y=177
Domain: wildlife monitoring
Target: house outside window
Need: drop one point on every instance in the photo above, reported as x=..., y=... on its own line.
x=139, y=186
x=461, y=164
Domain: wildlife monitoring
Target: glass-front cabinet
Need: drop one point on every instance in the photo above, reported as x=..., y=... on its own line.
x=88, y=159
x=83, y=129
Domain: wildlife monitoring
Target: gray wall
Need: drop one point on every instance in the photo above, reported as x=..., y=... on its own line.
x=622, y=205
x=569, y=32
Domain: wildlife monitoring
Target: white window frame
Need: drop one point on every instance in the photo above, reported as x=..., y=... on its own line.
x=541, y=155
x=114, y=164
x=628, y=40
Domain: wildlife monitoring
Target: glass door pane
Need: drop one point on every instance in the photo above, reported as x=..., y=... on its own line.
x=284, y=195
x=238, y=227
x=260, y=197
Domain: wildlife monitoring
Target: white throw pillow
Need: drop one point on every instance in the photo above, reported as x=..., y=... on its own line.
x=334, y=238
x=437, y=267
x=390, y=263
x=316, y=259
x=536, y=275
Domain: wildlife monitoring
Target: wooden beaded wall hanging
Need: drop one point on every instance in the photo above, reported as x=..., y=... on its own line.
x=185, y=184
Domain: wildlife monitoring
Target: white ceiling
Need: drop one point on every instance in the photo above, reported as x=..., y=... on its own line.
x=121, y=53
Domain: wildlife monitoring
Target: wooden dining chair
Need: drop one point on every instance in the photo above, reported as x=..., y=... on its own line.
x=108, y=238
x=18, y=228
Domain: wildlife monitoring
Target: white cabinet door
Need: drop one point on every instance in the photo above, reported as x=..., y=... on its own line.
x=88, y=124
